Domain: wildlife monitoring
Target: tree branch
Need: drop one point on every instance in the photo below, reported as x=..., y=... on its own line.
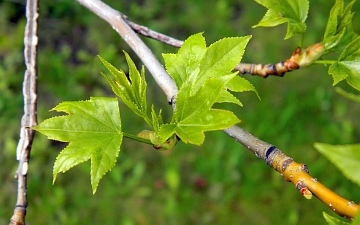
x=29, y=118
x=115, y=19
x=299, y=59
x=292, y=171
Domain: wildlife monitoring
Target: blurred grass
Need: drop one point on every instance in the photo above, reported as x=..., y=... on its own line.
x=217, y=183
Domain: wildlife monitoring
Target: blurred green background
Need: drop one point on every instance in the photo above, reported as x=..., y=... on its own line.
x=220, y=182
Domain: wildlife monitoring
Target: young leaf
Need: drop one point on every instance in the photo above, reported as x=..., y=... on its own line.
x=132, y=90
x=181, y=65
x=193, y=114
x=220, y=58
x=201, y=78
x=333, y=221
x=348, y=65
x=93, y=129
x=345, y=157
x=294, y=12
x=339, y=31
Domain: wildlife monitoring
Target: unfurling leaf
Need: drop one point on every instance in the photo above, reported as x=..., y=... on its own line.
x=93, y=130
x=293, y=12
x=132, y=89
x=339, y=31
x=348, y=65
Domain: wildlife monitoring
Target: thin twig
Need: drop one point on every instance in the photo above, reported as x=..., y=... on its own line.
x=299, y=59
x=292, y=171
x=29, y=118
x=147, y=32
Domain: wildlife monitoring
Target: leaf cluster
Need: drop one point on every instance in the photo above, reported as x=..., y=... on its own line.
x=203, y=76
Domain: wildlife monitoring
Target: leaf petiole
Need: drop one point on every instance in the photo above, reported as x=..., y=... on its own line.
x=137, y=138
x=329, y=62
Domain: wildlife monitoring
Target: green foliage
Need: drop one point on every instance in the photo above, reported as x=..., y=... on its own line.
x=345, y=157
x=339, y=34
x=332, y=220
x=339, y=30
x=93, y=129
x=139, y=172
x=293, y=12
x=131, y=90
x=201, y=75
x=347, y=66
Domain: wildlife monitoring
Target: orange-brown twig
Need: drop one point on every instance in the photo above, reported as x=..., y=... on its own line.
x=294, y=172
x=299, y=59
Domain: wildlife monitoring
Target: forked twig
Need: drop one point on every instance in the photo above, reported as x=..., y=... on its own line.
x=299, y=59
x=29, y=118
x=292, y=171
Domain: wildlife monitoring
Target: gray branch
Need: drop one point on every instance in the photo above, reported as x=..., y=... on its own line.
x=116, y=20
x=29, y=118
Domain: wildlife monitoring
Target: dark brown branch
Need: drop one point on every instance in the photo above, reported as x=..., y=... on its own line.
x=29, y=118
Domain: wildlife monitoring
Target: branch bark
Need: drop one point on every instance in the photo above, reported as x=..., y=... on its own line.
x=299, y=59
x=29, y=118
x=294, y=172
x=116, y=20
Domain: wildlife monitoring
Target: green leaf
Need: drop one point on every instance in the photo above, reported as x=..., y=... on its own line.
x=339, y=31
x=193, y=114
x=226, y=96
x=132, y=89
x=240, y=84
x=345, y=157
x=220, y=58
x=293, y=12
x=356, y=221
x=201, y=74
x=348, y=65
x=93, y=129
x=157, y=120
x=181, y=65
x=332, y=220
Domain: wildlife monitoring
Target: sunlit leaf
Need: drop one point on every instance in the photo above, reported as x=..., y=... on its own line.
x=345, y=157
x=202, y=79
x=293, y=12
x=339, y=31
x=132, y=89
x=194, y=115
x=93, y=130
x=181, y=65
x=348, y=65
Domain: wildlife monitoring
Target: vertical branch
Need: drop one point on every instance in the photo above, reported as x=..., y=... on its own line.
x=29, y=118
